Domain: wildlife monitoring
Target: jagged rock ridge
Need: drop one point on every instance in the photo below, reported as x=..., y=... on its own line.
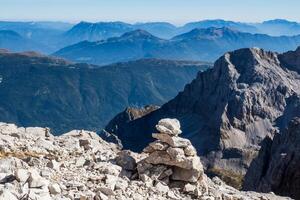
x=277, y=166
x=227, y=111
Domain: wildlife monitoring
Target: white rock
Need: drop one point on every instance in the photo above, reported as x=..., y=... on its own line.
x=7, y=195
x=160, y=146
x=169, y=126
x=121, y=184
x=162, y=187
x=175, y=153
x=7, y=129
x=111, y=181
x=36, y=131
x=36, y=181
x=190, y=151
x=80, y=161
x=172, y=141
x=43, y=144
x=54, y=189
x=189, y=188
x=22, y=175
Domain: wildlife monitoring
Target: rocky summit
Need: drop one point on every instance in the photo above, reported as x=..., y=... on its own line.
x=227, y=111
x=35, y=165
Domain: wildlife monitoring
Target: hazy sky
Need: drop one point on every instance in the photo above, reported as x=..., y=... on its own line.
x=176, y=11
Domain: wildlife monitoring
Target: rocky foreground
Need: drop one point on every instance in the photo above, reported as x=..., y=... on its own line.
x=36, y=165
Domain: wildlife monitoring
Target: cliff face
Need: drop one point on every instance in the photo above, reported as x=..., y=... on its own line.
x=227, y=111
x=277, y=166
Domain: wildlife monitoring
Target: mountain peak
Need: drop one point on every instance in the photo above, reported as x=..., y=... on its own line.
x=279, y=21
x=207, y=33
x=244, y=94
x=291, y=59
x=138, y=34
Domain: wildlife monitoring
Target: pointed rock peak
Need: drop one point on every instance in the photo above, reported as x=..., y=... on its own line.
x=247, y=63
x=82, y=24
x=138, y=34
x=291, y=60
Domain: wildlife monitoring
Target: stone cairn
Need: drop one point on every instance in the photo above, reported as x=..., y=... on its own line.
x=171, y=159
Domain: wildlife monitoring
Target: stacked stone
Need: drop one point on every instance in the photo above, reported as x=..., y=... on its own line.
x=173, y=156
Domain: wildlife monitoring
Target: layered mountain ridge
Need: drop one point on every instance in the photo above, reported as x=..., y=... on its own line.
x=66, y=95
x=198, y=44
x=52, y=36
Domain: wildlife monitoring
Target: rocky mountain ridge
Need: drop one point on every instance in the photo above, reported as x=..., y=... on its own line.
x=276, y=167
x=228, y=110
x=34, y=164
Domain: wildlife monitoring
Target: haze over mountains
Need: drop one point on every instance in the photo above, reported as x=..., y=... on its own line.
x=15, y=42
x=53, y=36
x=198, y=45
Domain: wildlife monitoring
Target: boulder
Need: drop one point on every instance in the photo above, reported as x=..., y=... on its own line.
x=190, y=151
x=54, y=189
x=176, y=153
x=163, y=188
x=36, y=181
x=169, y=126
x=172, y=141
x=22, y=175
x=126, y=160
x=157, y=145
x=188, y=175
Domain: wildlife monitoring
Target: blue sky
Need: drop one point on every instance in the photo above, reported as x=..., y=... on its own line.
x=175, y=11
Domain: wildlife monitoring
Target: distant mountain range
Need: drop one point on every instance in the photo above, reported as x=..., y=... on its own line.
x=81, y=96
x=104, y=30
x=56, y=35
x=198, y=44
x=15, y=42
x=47, y=34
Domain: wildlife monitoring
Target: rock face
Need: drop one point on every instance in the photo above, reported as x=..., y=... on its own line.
x=277, y=166
x=227, y=111
x=35, y=165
